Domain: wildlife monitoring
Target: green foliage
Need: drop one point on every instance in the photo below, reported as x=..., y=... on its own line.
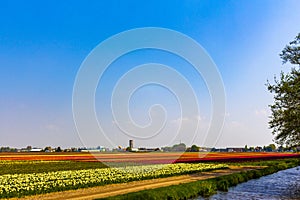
x=7, y=149
x=58, y=149
x=128, y=149
x=195, y=148
x=270, y=147
x=176, y=147
x=291, y=53
x=182, y=191
x=285, y=119
x=179, y=147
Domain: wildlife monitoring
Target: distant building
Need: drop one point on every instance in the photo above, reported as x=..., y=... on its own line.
x=131, y=144
x=142, y=149
x=97, y=149
x=219, y=150
x=134, y=150
x=235, y=149
x=91, y=150
x=36, y=150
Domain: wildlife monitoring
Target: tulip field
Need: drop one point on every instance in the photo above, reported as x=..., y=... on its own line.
x=12, y=185
x=147, y=158
x=24, y=174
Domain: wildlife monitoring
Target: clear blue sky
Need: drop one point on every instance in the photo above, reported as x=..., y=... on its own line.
x=43, y=43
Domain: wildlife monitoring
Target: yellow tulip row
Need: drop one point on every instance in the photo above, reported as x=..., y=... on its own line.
x=35, y=183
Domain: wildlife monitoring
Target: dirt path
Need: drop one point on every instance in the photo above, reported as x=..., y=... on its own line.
x=123, y=188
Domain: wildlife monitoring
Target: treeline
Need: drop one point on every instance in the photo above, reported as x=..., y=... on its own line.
x=34, y=149
x=182, y=147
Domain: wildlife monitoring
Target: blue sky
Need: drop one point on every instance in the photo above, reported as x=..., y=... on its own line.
x=43, y=43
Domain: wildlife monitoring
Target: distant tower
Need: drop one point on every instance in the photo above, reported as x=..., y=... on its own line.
x=131, y=144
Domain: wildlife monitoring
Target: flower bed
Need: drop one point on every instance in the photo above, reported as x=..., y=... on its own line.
x=16, y=185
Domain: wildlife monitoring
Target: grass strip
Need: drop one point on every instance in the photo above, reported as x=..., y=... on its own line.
x=209, y=187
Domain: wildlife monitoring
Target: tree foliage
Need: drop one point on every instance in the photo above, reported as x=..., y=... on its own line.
x=195, y=148
x=179, y=147
x=285, y=118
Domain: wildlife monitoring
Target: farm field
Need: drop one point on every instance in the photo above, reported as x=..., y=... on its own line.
x=12, y=185
x=37, y=173
x=135, y=186
x=146, y=158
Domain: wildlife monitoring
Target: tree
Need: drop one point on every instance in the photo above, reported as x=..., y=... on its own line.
x=246, y=148
x=194, y=148
x=179, y=147
x=58, y=149
x=128, y=149
x=167, y=149
x=48, y=149
x=285, y=118
x=251, y=149
x=272, y=147
x=264, y=148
